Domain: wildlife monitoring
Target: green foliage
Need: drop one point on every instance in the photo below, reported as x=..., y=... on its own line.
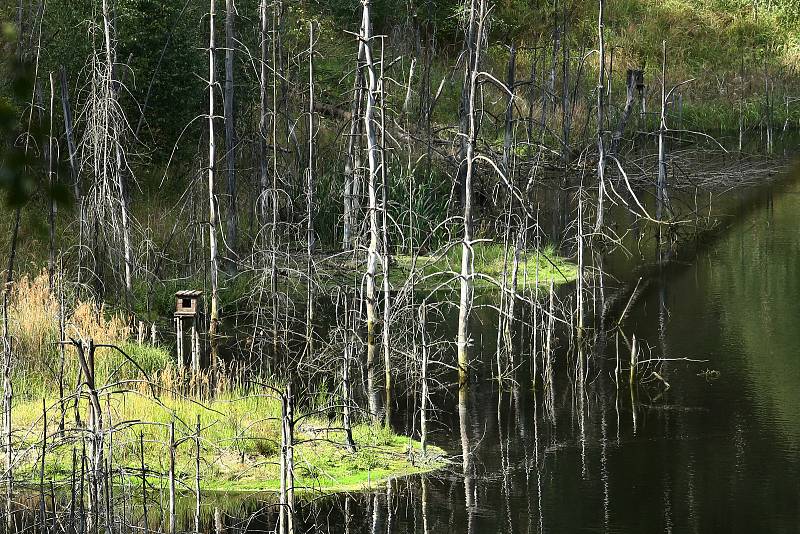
x=426, y=202
x=22, y=138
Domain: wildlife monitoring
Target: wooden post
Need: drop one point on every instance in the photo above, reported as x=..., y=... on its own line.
x=153, y=334
x=195, y=347
x=179, y=343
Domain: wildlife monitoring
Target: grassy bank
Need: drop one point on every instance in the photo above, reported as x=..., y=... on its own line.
x=491, y=262
x=441, y=270
x=141, y=393
x=239, y=444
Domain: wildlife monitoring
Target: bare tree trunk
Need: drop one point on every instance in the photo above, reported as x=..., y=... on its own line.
x=197, y=475
x=423, y=413
x=51, y=179
x=512, y=297
x=601, y=149
x=532, y=94
x=373, y=156
x=346, y=386
x=290, y=458
x=551, y=80
x=579, y=282
x=212, y=201
x=631, y=81
x=277, y=13
x=71, y=150
x=263, y=112
x=171, y=445
x=471, y=43
x=310, y=238
x=661, y=187
x=352, y=162
x=282, y=500
x=8, y=398
x=230, y=132
x=86, y=357
x=548, y=355
x=387, y=297
x=509, y=123
x=286, y=514
x=116, y=133
x=566, y=106
x=741, y=98
x=465, y=302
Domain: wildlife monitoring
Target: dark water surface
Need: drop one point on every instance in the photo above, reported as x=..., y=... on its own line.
x=709, y=440
x=717, y=451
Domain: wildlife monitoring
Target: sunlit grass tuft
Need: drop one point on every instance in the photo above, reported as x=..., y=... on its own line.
x=491, y=262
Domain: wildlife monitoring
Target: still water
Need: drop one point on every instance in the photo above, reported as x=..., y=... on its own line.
x=716, y=451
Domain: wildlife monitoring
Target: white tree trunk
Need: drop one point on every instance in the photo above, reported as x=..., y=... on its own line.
x=372, y=252
x=212, y=202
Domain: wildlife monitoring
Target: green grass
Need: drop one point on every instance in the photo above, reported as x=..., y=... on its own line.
x=490, y=262
x=240, y=440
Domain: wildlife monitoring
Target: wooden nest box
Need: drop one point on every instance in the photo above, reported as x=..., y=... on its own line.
x=187, y=303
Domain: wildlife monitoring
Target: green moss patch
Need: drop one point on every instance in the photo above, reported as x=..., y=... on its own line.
x=239, y=444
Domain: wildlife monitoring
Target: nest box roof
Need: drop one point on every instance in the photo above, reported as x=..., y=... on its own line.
x=189, y=293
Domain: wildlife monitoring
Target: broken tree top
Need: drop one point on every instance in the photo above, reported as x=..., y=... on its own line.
x=186, y=302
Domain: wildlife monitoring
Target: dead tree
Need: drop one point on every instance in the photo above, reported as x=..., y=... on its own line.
x=349, y=341
x=387, y=255
x=508, y=138
x=212, y=201
x=115, y=129
x=352, y=168
x=661, y=186
x=477, y=13
x=373, y=159
x=286, y=497
x=634, y=79
x=51, y=179
x=230, y=130
x=261, y=205
x=424, y=386
x=277, y=73
x=310, y=239
x=471, y=43
x=70, y=139
x=601, y=148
